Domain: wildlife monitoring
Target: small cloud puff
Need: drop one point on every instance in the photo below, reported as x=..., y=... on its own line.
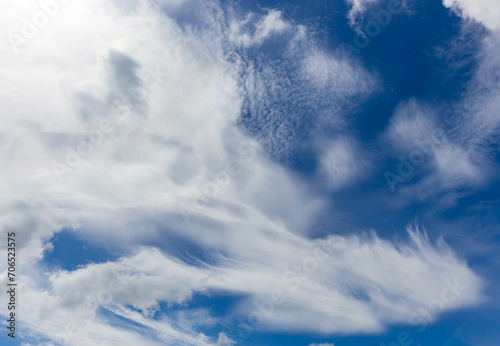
x=224, y=340
x=270, y=24
x=343, y=163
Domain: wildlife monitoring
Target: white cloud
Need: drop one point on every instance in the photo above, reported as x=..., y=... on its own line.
x=323, y=344
x=458, y=166
x=480, y=120
x=412, y=125
x=285, y=108
x=173, y=153
x=38, y=220
x=343, y=162
x=358, y=285
x=449, y=157
x=270, y=24
x=225, y=340
x=358, y=7
x=486, y=12
x=340, y=76
x=457, y=140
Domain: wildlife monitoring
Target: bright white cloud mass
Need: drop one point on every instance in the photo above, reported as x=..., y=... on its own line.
x=486, y=12
x=128, y=124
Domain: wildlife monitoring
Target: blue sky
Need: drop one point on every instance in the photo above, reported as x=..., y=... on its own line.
x=308, y=173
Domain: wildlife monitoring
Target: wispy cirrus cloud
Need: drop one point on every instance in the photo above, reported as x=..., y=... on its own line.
x=452, y=144
x=344, y=162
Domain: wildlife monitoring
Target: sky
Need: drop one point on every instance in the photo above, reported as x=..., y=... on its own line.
x=201, y=172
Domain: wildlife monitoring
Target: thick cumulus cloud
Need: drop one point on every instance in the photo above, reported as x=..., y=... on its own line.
x=134, y=124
